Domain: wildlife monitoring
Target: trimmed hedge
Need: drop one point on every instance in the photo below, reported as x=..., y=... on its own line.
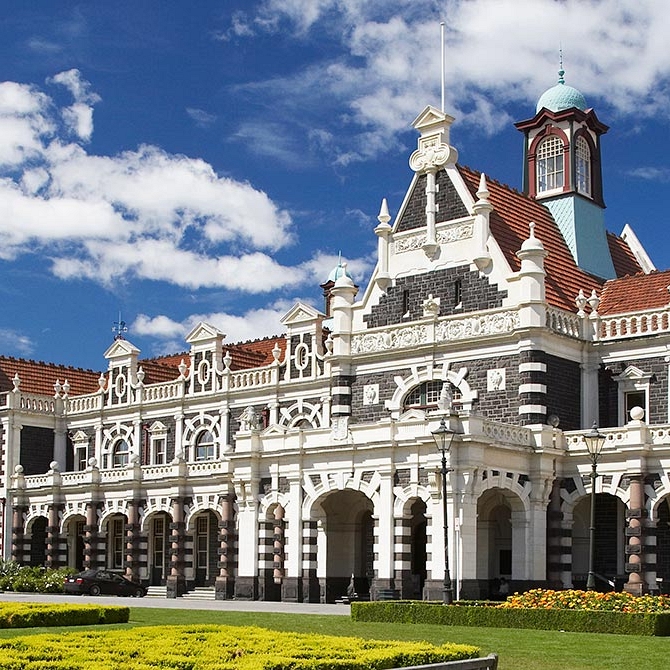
x=578, y=621
x=31, y=615
x=216, y=648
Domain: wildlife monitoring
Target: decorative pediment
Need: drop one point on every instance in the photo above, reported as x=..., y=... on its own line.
x=80, y=437
x=300, y=315
x=158, y=427
x=412, y=415
x=632, y=374
x=121, y=349
x=274, y=429
x=203, y=333
x=431, y=119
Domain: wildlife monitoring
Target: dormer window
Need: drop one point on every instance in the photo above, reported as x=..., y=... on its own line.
x=550, y=168
x=583, y=166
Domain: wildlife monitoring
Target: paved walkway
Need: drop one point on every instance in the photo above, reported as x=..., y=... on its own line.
x=180, y=603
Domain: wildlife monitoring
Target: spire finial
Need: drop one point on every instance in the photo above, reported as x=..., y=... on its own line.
x=561, y=71
x=119, y=328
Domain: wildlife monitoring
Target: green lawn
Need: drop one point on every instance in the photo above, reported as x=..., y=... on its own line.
x=518, y=649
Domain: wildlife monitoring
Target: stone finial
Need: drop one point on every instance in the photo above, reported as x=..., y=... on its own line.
x=140, y=375
x=227, y=360
x=483, y=191
x=66, y=388
x=384, y=217
x=57, y=388
x=594, y=303
x=276, y=352
x=16, y=380
x=102, y=380
x=182, y=367
x=580, y=301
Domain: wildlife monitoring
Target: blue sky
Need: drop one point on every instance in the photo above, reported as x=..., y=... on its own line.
x=186, y=161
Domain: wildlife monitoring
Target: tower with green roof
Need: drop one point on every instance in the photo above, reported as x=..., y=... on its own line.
x=562, y=168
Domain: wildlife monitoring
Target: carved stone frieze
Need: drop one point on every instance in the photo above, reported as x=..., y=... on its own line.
x=454, y=233
x=477, y=326
x=398, y=338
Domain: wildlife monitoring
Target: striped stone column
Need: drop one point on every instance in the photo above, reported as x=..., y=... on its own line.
x=225, y=582
x=635, y=518
x=310, y=583
x=53, y=537
x=532, y=387
x=402, y=557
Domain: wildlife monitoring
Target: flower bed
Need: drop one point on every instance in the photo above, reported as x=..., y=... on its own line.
x=576, y=611
x=216, y=648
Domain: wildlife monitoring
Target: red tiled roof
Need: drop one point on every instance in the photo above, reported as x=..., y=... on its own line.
x=632, y=294
x=623, y=258
x=245, y=355
x=39, y=377
x=513, y=211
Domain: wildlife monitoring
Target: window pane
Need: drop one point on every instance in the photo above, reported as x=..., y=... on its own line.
x=549, y=161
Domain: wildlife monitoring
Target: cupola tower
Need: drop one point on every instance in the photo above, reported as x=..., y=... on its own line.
x=562, y=168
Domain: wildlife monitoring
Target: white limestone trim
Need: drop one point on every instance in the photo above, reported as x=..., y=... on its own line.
x=341, y=409
x=341, y=390
x=533, y=409
x=453, y=232
x=532, y=367
x=446, y=329
x=532, y=388
x=431, y=373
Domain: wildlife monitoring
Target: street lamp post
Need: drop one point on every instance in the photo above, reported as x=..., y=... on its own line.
x=443, y=437
x=595, y=441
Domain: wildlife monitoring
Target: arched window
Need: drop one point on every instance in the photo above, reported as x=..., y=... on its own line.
x=549, y=160
x=583, y=166
x=204, y=446
x=426, y=395
x=120, y=453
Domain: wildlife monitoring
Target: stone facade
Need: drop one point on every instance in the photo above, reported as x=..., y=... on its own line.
x=305, y=467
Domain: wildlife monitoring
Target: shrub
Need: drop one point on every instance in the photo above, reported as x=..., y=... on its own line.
x=592, y=621
x=26, y=579
x=29, y=615
x=217, y=647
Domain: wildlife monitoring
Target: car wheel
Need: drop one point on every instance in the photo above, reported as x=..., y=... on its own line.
x=139, y=593
x=94, y=590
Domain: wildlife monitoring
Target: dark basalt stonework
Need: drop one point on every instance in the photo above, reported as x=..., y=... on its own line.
x=403, y=302
x=449, y=203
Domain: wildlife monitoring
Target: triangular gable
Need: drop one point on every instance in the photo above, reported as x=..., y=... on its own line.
x=431, y=117
x=204, y=332
x=632, y=373
x=301, y=314
x=121, y=348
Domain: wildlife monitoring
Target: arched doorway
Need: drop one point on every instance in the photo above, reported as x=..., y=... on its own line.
x=74, y=534
x=663, y=545
x=116, y=542
x=38, y=541
x=501, y=541
x=347, y=544
x=159, y=543
x=205, y=528
x=419, y=555
x=610, y=522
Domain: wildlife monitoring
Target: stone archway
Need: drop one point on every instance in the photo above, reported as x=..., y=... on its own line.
x=74, y=532
x=345, y=544
x=501, y=539
x=609, y=541
x=418, y=555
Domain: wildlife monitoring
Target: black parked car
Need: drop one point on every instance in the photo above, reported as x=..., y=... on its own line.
x=102, y=582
